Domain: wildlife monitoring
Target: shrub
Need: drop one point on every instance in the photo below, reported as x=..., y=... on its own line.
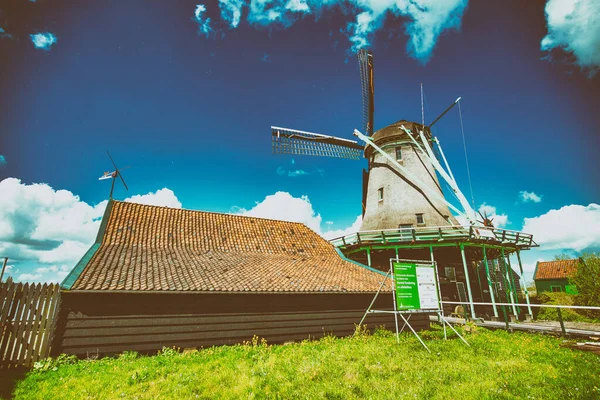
x=361, y=330
x=559, y=298
x=52, y=364
x=587, y=281
x=128, y=355
x=168, y=351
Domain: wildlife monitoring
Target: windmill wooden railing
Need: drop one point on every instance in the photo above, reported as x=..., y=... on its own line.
x=436, y=234
x=27, y=317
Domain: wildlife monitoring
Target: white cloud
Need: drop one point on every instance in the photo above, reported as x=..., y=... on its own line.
x=49, y=230
x=231, y=11
x=428, y=19
x=425, y=19
x=203, y=23
x=297, y=5
x=37, y=216
x=285, y=207
x=163, y=197
x=291, y=173
x=29, y=277
x=362, y=28
x=43, y=41
x=528, y=269
x=297, y=172
x=574, y=26
x=529, y=197
x=68, y=250
x=43, y=270
x=572, y=227
x=499, y=220
x=355, y=227
x=200, y=9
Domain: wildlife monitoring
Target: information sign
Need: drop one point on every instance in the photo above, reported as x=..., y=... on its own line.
x=415, y=286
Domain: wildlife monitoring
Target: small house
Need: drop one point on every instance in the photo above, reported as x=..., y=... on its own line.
x=553, y=276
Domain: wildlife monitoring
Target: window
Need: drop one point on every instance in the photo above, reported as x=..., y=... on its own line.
x=420, y=220
x=450, y=273
x=398, y=153
x=380, y=194
x=406, y=232
x=556, y=288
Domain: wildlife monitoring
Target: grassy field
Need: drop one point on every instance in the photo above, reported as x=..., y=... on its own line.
x=497, y=365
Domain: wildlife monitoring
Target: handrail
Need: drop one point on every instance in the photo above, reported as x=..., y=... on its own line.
x=524, y=305
x=433, y=233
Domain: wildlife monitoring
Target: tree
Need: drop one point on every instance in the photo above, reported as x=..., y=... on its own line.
x=587, y=281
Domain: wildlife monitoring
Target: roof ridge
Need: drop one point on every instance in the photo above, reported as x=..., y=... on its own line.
x=213, y=212
x=559, y=261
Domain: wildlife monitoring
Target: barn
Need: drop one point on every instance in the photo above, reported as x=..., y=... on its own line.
x=159, y=276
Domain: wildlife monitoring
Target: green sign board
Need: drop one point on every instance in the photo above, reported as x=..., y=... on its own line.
x=415, y=286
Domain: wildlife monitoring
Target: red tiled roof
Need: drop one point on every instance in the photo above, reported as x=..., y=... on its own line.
x=149, y=248
x=562, y=269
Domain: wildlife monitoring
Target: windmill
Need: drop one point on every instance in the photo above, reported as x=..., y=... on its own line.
x=113, y=175
x=400, y=186
x=405, y=213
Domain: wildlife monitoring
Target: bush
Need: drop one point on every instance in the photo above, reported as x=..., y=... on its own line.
x=587, y=281
x=563, y=299
x=52, y=364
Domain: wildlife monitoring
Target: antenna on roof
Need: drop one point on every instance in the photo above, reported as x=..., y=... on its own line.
x=113, y=175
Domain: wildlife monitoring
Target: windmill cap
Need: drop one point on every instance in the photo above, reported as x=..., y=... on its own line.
x=394, y=132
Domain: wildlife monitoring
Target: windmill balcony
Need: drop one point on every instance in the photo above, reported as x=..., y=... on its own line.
x=485, y=235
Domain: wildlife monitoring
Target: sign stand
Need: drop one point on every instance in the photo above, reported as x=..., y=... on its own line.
x=416, y=290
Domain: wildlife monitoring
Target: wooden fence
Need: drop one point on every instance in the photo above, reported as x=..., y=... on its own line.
x=27, y=318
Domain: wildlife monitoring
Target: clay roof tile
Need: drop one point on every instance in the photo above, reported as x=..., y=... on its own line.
x=154, y=248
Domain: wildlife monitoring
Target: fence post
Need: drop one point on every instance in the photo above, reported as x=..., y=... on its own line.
x=562, y=323
x=505, y=317
x=3, y=268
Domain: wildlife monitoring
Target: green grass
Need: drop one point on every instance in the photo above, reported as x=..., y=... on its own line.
x=497, y=365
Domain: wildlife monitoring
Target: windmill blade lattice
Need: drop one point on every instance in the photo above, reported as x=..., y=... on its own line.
x=291, y=141
x=365, y=63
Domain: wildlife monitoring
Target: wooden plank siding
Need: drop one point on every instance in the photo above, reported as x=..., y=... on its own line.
x=109, y=323
x=27, y=316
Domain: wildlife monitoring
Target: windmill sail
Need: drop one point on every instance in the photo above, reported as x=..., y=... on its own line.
x=291, y=141
x=365, y=63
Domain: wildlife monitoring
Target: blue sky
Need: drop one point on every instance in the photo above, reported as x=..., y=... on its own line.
x=186, y=98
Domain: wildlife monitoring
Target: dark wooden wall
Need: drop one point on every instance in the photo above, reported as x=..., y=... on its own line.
x=109, y=323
